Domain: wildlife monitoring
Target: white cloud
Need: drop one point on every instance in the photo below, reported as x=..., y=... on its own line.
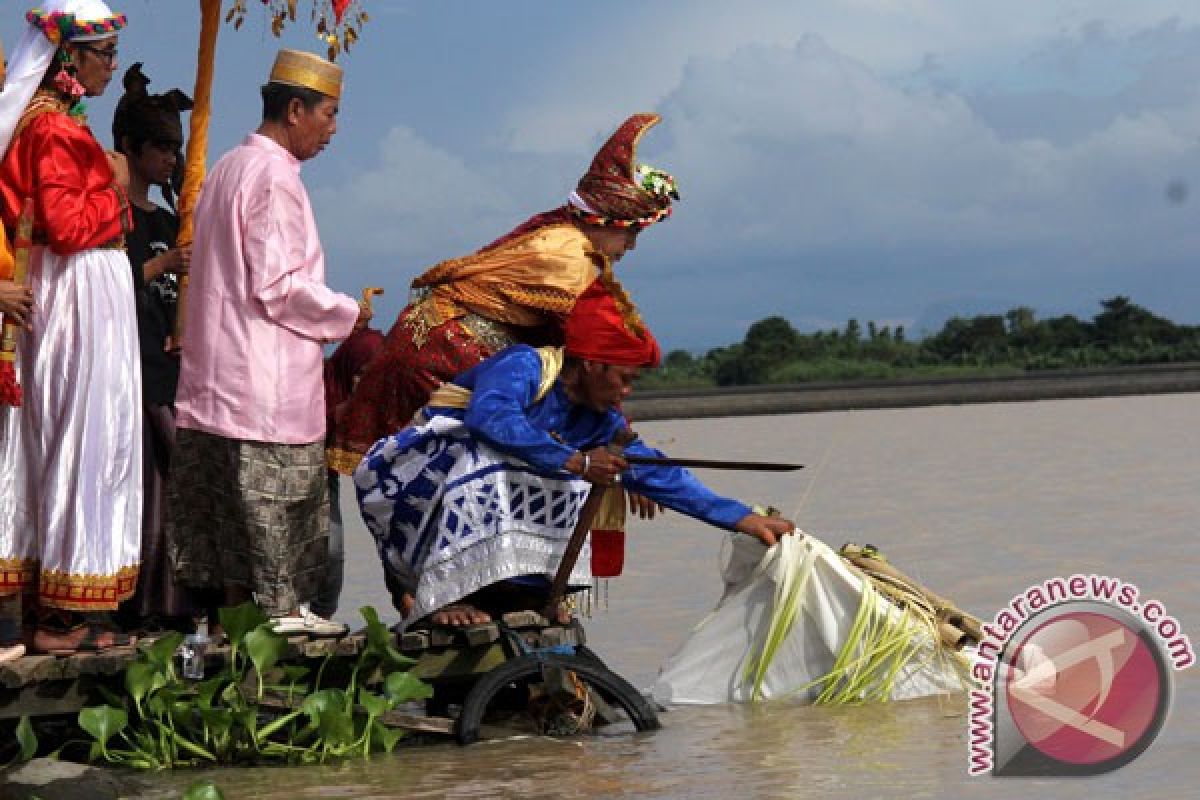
x=416, y=204
x=834, y=186
x=827, y=182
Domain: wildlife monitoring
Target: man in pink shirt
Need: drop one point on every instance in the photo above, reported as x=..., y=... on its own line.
x=247, y=496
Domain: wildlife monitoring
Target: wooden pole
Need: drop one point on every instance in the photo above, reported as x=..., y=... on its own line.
x=587, y=514
x=195, y=164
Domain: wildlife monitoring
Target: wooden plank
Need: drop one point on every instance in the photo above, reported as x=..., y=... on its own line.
x=43, y=668
x=349, y=646
x=458, y=663
x=443, y=726
x=414, y=641
x=109, y=662
x=480, y=635
x=525, y=619
x=41, y=699
x=443, y=637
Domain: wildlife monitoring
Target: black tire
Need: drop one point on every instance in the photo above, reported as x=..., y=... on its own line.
x=611, y=686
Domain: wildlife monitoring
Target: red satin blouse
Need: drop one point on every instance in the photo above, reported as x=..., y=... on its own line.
x=60, y=164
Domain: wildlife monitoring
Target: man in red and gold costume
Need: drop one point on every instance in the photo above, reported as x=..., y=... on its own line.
x=71, y=479
x=518, y=289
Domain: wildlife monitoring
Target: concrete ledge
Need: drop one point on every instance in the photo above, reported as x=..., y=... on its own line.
x=811, y=397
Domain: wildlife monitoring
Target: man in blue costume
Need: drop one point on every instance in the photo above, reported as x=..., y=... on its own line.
x=472, y=505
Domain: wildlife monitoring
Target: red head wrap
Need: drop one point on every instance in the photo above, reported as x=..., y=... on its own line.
x=598, y=330
x=613, y=190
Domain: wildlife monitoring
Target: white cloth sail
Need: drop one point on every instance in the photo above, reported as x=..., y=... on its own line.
x=712, y=665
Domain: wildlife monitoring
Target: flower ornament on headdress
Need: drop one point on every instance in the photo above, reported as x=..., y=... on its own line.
x=617, y=193
x=64, y=26
x=657, y=182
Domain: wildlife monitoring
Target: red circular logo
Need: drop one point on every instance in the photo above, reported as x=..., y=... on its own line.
x=1085, y=688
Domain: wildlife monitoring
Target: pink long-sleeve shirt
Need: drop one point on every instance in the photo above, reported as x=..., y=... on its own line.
x=258, y=310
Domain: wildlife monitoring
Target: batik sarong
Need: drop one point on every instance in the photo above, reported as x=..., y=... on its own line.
x=249, y=514
x=462, y=516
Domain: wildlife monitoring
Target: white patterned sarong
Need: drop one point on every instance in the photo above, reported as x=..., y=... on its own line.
x=462, y=516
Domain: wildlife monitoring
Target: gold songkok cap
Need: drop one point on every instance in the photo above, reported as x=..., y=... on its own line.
x=298, y=68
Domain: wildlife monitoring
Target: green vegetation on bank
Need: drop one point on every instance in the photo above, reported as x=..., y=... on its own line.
x=773, y=351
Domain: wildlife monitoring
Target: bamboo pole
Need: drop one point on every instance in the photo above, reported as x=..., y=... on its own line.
x=195, y=164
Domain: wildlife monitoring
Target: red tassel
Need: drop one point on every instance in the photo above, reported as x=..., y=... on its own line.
x=608, y=553
x=10, y=390
x=339, y=9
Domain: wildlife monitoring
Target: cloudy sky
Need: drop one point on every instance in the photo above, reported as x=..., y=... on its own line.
x=895, y=160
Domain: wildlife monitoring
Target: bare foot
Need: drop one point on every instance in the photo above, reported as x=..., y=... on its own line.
x=459, y=615
x=86, y=638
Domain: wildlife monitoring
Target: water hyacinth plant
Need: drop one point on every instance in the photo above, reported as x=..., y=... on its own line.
x=254, y=710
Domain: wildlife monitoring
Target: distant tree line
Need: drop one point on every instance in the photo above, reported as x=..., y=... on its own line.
x=775, y=352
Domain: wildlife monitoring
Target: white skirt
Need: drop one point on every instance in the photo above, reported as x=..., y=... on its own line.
x=71, y=480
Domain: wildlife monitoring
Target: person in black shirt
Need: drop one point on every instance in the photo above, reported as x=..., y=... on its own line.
x=148, y=130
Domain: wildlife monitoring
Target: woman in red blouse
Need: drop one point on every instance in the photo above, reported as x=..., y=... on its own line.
x=70, y=480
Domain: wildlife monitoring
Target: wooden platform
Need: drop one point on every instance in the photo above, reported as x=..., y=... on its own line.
x=43, y=685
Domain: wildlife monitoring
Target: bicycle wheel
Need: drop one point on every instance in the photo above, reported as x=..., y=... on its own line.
x=523, y=685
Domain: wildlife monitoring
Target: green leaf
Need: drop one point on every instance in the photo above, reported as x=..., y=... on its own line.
x=207, y=690
x=319, y=703
x=218, y=720
x=27, y=739
x=183, y=713
x=161, y=651
x=401, y=687
x=231, y=696
x=373, y=703
x=379, y=640
x=264, y=647
x=295, y=672
x=142, y=678
x=240, y=620
x=157, y=705
x=187, y=744
x=103, y=722
x=336, y=727
x=385, y=738
x=203, y=790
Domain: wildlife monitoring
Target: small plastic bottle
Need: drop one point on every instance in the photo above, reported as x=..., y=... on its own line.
x=193, y=650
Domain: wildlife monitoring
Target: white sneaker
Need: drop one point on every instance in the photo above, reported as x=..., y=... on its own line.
x=306, y=622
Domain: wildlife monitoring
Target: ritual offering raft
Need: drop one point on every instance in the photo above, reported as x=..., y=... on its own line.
x=802, y=621
x=260, y=697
